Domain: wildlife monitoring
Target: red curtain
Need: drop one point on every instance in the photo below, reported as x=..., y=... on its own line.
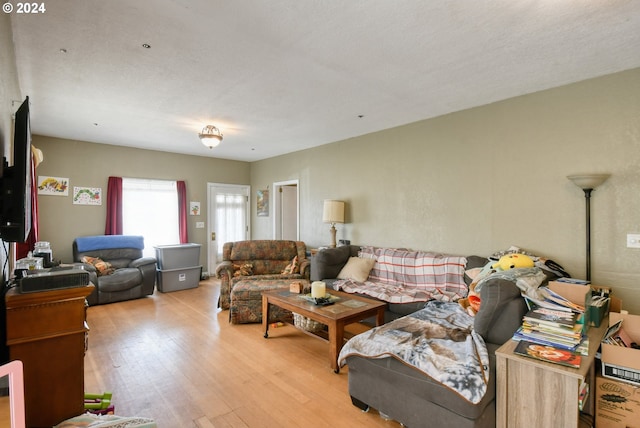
x=114, y=207
x=22, y=249
x=182, y=211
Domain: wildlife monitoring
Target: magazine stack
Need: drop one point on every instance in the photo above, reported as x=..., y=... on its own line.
x=552, y=330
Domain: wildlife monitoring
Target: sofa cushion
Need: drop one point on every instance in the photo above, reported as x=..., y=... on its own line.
x=121, y=279
x=293, y=267
x=373, y=373
x=102, y=267
x=245, y=269
x=263, y=250
x=357, y=269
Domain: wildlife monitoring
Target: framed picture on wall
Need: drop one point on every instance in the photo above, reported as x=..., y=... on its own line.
x=57, y=186
x=87, y=196
x=263, y=203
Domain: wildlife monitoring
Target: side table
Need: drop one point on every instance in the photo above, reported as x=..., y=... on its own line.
x=535, y=393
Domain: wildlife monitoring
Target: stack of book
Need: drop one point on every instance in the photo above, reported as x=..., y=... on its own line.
x=553, y=323
x=551, y=327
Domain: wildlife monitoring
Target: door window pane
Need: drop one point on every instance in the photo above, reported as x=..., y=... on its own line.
x=230, y=219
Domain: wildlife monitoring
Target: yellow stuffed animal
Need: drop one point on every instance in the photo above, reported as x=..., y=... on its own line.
x=513, y=261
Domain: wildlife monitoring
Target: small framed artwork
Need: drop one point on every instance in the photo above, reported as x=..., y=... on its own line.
x=87, y=195
x=57, y=186
x=194, y=208
x=263, y=203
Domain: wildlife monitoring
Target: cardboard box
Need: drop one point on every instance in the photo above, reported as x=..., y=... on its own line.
x=619, y=362
x=577, y=293
x=617, y=404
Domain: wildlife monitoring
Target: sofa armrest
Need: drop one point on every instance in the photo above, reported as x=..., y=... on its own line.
x=86, y=266
x=305, y=268
x=142, y=262
x=328, y=262
x=224, y=268
x=501, y=311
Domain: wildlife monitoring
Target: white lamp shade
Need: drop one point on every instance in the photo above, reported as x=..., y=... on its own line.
x=588, y=181
x=333, y=211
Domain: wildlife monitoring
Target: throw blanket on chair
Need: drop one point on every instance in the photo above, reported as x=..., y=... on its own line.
x=438, y=340
x=106, y=242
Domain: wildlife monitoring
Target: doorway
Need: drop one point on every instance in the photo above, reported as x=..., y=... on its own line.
x=227, y=218
x=286, y=210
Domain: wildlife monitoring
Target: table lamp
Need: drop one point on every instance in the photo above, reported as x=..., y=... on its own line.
x=333, y=212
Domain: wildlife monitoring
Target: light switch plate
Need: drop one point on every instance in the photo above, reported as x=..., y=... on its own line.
x=633, y=240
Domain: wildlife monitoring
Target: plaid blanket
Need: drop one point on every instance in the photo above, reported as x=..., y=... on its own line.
x=438, y=340
x=402, y=276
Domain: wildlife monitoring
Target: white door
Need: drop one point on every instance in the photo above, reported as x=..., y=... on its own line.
x=228, y=218
x=286, y=211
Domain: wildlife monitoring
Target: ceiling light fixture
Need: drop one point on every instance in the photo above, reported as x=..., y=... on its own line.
x=210, y=136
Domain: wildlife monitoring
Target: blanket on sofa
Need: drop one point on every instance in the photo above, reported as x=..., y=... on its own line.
x=402, y=276
x=106, y=242
x=438, y=340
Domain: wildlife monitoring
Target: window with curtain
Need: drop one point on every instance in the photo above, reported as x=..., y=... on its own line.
x=150, y=209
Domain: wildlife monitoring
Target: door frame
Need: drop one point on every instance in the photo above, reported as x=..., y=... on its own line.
x=211, y=261
x=277, y=206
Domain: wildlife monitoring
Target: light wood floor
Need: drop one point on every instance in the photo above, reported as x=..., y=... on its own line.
x=174, y=357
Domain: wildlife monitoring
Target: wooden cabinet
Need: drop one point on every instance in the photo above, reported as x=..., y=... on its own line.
x=47, y=332
x=539, y=394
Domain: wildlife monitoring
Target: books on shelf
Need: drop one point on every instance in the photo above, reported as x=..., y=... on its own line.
x=550, y=354
x=583, y=394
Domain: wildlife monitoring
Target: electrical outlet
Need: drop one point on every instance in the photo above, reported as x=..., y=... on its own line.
x=633, y=240
x=199, y=224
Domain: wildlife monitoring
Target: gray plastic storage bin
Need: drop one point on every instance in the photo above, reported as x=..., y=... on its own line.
x=178, y=279
x=177, y=256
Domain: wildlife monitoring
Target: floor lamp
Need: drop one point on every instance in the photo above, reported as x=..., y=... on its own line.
x=587, y=183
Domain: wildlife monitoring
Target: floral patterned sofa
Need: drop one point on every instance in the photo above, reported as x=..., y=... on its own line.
x=268, y=259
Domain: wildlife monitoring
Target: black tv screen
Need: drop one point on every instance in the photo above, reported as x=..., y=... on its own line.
x=15, y=200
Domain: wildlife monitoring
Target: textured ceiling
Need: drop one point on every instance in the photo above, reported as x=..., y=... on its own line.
x=278, y=76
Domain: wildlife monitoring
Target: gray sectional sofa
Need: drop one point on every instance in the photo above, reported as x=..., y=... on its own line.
x=406, y=395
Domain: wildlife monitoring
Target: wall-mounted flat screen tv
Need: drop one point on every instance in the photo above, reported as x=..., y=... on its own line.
x=15, y=199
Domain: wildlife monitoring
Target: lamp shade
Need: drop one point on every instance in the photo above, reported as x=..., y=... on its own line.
x=588, y=181
x=333, y=211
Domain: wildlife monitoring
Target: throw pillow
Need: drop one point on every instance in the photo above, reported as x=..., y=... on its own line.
x=102, y=268
x=357, y=269
x=293, y=267
x=245, y=269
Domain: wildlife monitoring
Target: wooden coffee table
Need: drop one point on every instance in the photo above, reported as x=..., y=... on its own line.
x=346, y=310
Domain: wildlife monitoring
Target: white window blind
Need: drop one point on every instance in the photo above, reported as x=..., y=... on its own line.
x=150, y=209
